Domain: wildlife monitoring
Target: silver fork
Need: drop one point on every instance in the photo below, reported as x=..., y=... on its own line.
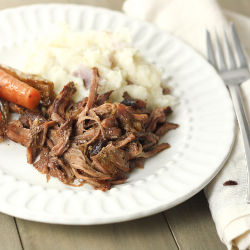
x=233, y=76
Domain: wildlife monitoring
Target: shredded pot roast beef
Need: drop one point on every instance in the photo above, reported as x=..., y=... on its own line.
x=93, y=141
x=4, y=117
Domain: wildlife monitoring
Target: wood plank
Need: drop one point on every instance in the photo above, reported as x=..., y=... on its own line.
x=16, y=3
x=111, y=4
x=242, y=6
x=192, y=225
x=9, y=238
x=147, y=233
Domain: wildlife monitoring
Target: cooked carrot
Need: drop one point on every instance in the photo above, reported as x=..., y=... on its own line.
x=13, y=90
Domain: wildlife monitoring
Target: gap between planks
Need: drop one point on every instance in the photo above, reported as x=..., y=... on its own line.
x=18, y=233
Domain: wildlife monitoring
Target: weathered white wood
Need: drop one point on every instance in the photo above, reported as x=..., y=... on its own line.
x=15, y=3
x=9, y=238
x=147, y=233
x=240, y=6
x=192, y=225
x=111, y=4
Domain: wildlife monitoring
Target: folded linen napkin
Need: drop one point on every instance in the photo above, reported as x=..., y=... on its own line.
x=188, y=21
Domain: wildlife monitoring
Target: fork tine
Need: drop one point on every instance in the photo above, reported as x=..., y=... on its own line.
x=238, y=48
x=210, y=52
x=221, y=63
x=229, y=53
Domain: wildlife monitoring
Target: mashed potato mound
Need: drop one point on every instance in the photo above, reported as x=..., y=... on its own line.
x=62, y=56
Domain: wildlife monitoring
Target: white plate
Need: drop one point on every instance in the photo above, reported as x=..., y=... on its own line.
x=199, y=147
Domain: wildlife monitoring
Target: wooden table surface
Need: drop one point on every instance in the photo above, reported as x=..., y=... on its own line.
x=187, y=226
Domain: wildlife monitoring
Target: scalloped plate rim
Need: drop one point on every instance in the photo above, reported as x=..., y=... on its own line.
x=127, y=215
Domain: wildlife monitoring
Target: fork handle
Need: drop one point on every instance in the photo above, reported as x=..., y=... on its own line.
x=244, y=128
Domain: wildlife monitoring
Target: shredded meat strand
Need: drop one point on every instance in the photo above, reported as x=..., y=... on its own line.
x=91, y=100
x=62, y=100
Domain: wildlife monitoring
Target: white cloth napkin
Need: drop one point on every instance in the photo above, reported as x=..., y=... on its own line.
x=188, y=20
